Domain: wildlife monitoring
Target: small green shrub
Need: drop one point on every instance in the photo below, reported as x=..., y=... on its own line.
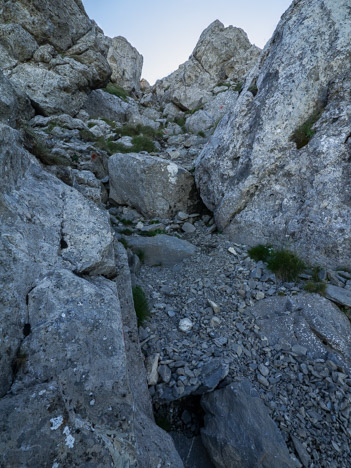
x=86, y=135
x=181, y=122
x=143, y=143
x=285, y=264
x=260, y=252
x=141, y=305
x=238, y=87
x=126, y=222
x=116, y=91
x=75, y=158
x=201, y=134
x=315, y=287
x=304, y=132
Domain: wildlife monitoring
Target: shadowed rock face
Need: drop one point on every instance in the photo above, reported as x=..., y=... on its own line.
x=54, y=52
x=252, y=174
x=220, y=53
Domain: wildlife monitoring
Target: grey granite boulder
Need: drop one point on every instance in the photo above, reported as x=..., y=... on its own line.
x=339, y=295
x=154, y=186
x=264, y=182
x=126, y=64
x=99, y=103
x=161, y=249
x=308, y=322
x=238, y=430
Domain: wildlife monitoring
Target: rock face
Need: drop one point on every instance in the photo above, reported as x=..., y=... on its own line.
x=126, y=64
x=69, y=347
x=154, y=186
x=239, y=431
x=255, y=173
x=52, y=51
x=220, y=53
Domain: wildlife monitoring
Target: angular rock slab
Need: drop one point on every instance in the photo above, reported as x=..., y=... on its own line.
x=251, y=174
x=161, y=249
x=315, y=324
x=154, y=186
x=238, y=430
x=339, y=295
x=126, y=64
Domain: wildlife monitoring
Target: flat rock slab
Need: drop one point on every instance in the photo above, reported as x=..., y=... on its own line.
x=239, y=431
x=152, y=185
x=340, y=295
x=192, y=451
x=161, y=250
x=308, y=323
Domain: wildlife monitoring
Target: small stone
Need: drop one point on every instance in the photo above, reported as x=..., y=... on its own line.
x=262, y=380
x=151, y=364
x=182, y=216
x=299, y=350
x=215, y=307
x=232, y=251
x=188, y=228
x=237, y=349
x=259, y=295
x=185, y=325
x=165, y=373
x=139, y=225
x=263, y=369
x=215, y=321
x=221, y=341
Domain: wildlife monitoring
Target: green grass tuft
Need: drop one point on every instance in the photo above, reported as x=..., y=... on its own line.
x=285, y=264
x=116, y=91
x=143, y=143
x=141, y=305
x=260, y=252
x=124, y=243
x=152, y=233
x=201, y=134
x=315, y=287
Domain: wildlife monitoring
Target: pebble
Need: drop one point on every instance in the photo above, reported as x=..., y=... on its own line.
x=185, y=325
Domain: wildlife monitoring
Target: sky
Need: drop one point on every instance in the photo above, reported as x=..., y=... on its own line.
x=165, y=32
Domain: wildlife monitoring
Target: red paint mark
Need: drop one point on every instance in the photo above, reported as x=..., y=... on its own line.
x=94, y=157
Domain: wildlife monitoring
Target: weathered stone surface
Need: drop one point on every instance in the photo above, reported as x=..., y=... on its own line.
x=154, y=186
x=339, y=295
x=239, y=431
x=53, y=52
x=126, y=64
x=161, y=249
x=219, y=54
x=66, y=346
x=99, y=103
x=14, y=105
x=308, y=320
x=251, y=174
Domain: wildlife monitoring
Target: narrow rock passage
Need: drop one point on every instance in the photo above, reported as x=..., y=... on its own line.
x=218, y=291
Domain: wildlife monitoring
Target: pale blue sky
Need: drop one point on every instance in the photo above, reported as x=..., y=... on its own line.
x=165, y=32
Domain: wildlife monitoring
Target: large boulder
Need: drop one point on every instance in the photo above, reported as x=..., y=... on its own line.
x=260, y=174
x=238, y=430
x=308, y=324
x=52, y=51
x=126, y=64
x=154, y=186
x=220, y=53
